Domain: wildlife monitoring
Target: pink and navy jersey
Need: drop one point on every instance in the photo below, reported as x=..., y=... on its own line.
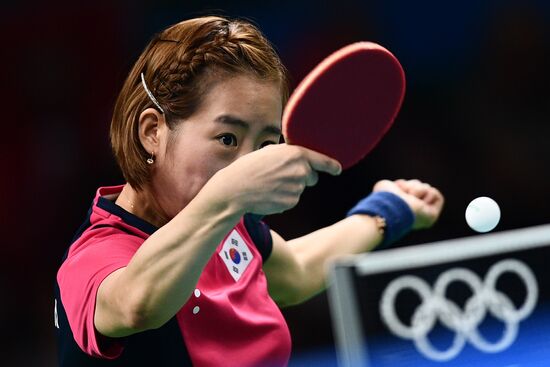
x=229, y=320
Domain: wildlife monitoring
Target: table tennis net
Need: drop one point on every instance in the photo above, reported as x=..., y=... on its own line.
x=482, y=300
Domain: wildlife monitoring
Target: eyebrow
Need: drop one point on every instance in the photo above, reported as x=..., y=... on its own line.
x=235, y=121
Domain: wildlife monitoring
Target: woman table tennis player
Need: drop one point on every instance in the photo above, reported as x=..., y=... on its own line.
x=170, y=269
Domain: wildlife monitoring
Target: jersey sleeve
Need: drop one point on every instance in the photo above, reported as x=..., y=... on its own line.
x=79, y=278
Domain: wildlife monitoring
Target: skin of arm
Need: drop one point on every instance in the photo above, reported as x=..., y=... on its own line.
x=298, y=269
x=163, y=273
x=165, y=270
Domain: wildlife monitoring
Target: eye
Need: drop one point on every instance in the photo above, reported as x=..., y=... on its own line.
x=228, y=140
x=266, y=143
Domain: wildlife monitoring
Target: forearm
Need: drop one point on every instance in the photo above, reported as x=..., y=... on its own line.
x=298, y=268
x=352, y=235
x=165, y=270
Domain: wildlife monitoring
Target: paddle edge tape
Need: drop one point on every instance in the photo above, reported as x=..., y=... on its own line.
x=325, y=65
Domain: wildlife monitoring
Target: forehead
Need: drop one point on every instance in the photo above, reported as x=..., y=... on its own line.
x=246, y=97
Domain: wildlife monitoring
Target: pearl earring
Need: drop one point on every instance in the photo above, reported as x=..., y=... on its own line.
x=151, y=159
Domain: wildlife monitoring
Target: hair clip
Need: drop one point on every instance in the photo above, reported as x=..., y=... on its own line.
x=151, y=96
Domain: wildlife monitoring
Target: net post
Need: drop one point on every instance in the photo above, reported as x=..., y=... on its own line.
x=346, y=321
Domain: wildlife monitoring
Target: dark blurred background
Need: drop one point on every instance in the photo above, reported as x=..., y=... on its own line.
x=474, y=123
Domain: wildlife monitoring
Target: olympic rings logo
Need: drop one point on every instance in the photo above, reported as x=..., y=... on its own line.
x=464, y=322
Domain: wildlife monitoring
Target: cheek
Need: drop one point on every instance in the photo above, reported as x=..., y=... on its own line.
x=190, y=169
x=180, y=179
x=199, y=169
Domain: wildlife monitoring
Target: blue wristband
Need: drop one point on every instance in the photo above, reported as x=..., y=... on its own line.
x=395, y=211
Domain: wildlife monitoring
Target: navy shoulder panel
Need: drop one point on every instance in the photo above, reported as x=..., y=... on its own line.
x=260, y=234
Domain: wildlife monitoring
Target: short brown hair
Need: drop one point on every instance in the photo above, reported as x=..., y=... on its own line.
x=175, y=65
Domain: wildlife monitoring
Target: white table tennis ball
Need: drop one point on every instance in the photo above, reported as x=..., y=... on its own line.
x=482, y=214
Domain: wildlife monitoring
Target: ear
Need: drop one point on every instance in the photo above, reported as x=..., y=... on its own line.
x=151, y=130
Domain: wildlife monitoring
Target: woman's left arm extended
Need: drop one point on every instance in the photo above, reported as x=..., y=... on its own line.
x=297, y=269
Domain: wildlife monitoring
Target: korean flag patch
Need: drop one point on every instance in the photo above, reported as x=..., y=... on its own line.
x=236, y=255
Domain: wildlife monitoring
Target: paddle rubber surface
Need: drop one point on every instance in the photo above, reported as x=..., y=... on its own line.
x=347, y=103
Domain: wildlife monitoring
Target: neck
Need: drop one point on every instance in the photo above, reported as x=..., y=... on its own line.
x=142, y=204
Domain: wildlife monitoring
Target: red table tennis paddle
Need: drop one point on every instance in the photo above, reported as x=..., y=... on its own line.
x=346, y=104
